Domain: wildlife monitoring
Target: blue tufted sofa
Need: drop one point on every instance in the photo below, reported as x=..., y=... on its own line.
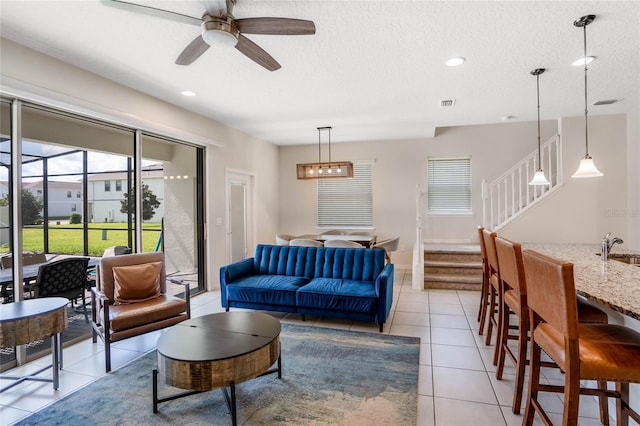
x=350, y=283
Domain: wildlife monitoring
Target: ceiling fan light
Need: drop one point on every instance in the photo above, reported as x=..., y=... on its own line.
x=219, y=38
x=587, y=169
x=219, y=32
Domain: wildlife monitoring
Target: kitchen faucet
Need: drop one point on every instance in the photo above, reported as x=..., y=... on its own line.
x=607, y=244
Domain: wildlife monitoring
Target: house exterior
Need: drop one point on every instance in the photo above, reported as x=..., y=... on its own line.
x=106, y=192
x=64, y=197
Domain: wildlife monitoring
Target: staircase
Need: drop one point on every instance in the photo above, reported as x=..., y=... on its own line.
x=510, y=195
x=454, y=267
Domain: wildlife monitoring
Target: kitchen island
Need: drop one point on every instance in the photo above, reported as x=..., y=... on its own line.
x=613, y=283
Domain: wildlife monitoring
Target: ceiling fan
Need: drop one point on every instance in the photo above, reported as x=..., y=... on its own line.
x=220, y=27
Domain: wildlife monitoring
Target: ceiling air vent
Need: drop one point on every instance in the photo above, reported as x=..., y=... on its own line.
x=447, y=102
x=605, y=102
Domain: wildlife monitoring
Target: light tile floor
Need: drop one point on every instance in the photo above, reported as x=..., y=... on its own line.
x=457, y=383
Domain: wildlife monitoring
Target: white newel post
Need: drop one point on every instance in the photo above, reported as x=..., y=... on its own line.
x=418, y=248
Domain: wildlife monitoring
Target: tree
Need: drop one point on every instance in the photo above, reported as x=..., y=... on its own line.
x=31, y=208
x=149, y=203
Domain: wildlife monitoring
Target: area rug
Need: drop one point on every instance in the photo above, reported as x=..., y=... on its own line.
x=330, y=377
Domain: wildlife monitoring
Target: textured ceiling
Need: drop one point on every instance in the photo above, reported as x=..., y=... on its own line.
x=374, y=70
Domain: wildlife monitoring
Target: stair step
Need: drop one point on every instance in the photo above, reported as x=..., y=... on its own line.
x=453, y=282
x=463, y=253
x=449, y=264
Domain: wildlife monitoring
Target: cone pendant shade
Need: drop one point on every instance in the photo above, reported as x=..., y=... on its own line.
x=539, y=178
x=587, y=169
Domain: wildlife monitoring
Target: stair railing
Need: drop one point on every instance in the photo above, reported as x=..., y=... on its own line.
x=510, y=195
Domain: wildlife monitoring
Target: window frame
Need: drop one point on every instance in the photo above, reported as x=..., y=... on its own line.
x=351, y=205
x=463, y=197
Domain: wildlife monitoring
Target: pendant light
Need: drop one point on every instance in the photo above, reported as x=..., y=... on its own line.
x=587, y=168
x=325, y=170
x=538, y=177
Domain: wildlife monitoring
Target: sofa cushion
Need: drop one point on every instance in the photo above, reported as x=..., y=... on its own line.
x=269, y=289
x=338, y=294
x=285, y=260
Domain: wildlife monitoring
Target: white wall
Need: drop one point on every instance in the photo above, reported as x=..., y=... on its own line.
x=64, y=84
x=399, y=166
x=583, y=210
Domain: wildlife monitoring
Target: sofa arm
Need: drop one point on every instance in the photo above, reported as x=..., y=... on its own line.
x=384, y=290
x=231, y=273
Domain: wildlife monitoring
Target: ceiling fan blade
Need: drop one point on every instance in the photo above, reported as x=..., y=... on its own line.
x=256, y=53
x=275, y=26
x=152, y=11
x=192, y=52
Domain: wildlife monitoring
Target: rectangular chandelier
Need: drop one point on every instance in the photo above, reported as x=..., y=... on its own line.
x=325, y=169
x=333, y=170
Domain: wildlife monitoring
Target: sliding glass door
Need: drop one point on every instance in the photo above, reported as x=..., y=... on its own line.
x=79, y=190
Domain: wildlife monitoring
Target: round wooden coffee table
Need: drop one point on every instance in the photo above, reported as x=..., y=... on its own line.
x=30, y=320
x=216, y=351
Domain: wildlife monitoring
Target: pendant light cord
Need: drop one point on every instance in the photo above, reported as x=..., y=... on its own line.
x=538, y=92
x=319, y=156
x=586, y=110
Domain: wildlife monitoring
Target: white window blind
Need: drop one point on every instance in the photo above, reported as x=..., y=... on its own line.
x=344, y=203
x=449, y=186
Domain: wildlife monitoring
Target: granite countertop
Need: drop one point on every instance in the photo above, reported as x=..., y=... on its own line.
x=613, y=283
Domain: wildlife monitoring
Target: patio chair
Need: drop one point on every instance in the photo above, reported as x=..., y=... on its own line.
x=28, y=258
x=63, y=278
x=130, y=299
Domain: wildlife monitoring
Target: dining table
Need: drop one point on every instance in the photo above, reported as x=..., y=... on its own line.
x=367, y=240
x=610, y=282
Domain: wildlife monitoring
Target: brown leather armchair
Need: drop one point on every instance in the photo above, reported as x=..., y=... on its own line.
x=114, y=319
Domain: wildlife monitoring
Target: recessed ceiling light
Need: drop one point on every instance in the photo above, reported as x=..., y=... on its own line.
x=454, y=62
x=187, y=93
x=580, y=62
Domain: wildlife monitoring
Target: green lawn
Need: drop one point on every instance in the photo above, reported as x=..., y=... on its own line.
x=67, y=239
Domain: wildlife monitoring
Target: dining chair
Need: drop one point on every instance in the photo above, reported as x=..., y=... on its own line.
x=303, y=242
x=584, y=351
x=389, y=245
x=283, y=239
x=342, y=243
x=514, y=297
x=63, y=278
x=130, y=299
x=334, y=232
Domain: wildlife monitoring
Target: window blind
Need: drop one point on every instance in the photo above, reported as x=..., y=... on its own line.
x=449, y=186
x=344, y=203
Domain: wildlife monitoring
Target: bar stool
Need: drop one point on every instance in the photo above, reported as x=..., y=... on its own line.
x=600, y=352
x=495, y=299
x=484, y=292
x=514, y=297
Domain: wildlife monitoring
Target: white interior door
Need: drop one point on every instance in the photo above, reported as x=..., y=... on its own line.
x=239, y=215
